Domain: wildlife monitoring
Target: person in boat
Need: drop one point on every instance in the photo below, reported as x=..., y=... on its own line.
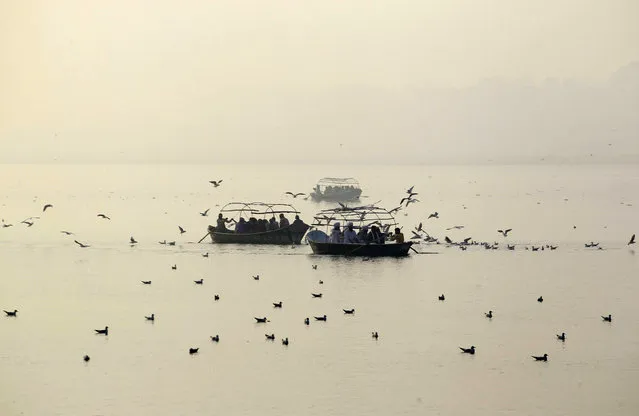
x=221, y=223
x=362, y=235
x=262, y=226
x=398, y=237
x=336, y=234
x=350, y=237
x=283, y=221
x=241, y=226
x=298, y=224
x=252, y=225
x=376, y=236
x=272, y=224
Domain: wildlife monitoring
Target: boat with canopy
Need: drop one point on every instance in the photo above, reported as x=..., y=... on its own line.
x=336, y=190
x=363, y=216
x=257, y=223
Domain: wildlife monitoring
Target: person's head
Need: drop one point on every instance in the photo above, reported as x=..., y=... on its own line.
x=350, y=225
x=397, y=231
x=220, y=215
x=297, y=217
x=336, y=226
x=364, y=229
x=242, y=219
x=281, y=215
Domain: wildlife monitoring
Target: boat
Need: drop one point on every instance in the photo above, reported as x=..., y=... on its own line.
x=368, y=215
x=336, y=190
x=256, y=213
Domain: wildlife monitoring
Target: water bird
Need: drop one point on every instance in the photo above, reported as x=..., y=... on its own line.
x=535, y=248
x=607, y=318
x=270, y=337
x=182, y=230
x=410, y=190
x=215, y=338
x=442, y=297
x=632, y=240
x=433, y=215
x=505, y=232
x=349, y=311
x=510, y=247
x=86, y=358
x=11, y=313
x=28, y=223
x=470, y=350
x=199, y=282
x=553, y=247
x=261, y=320
x=205, y=213
x=104, y=331
x=162, y=242
x=205, y=254
x=294, y=195
x=540, y=358
x=132, y=240
x=375, y=334
x=257, y=277
x=66, y=232
x=150, y=318
x=412, y=201
x=277, y=304
x=6, y=225
x=216, y=183
x=320, y=318
x=448, y=240
x=171, y=243
x=314, y=267
x=216, y=297
x=174, y=267
x=562, y=337
x=81, y=244
x=321, y=282
x=455, y=227
x=316, y=295
x=540, y=299
x=145, y=282
x=307, y=321
x=419, y=228
x=489, y=315
x=46, y=207
x=193, y=350
x=104, y=216
x=285, y=341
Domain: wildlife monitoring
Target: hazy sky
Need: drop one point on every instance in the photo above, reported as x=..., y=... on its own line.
x=193, y=80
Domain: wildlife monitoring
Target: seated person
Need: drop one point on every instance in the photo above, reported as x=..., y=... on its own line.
x=261, y=226
x=362, y=235
x=350, y=237
x=283, y=221
x=272, y=224
x=241, y=226
x=298, y=224
x=336, y=234
x=376, y=236
x=398, y=237
x=252, y=225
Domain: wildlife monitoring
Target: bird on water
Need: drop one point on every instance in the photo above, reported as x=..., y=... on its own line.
x=13, y=313
x=470, y=350
x=104, y=331
x=540, y=358
x=562, y=337
x=607, y=318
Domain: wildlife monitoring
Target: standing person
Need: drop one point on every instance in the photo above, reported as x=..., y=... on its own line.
x=350, y=237
x=221, y=223
x=336, y=234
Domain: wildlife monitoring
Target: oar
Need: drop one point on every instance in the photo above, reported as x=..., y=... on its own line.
x=206, y=235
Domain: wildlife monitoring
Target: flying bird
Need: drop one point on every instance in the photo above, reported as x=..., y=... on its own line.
x=132, y=240
x=455, y=227
x=66, y=232
x=205, y=213
x=632, y=240
x=28, y=223
x=182, y=230
x=541, y=358
x=294, y=195
x=410, y=190
x=145, y=282
x=419, y=227
x=216, y=183
x=47, y=206
x=81, y=244
x=504, y=232
x=434, y=215
x=103, y=216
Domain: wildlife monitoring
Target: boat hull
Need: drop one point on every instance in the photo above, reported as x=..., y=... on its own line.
x=280, y=236
x=363, y=250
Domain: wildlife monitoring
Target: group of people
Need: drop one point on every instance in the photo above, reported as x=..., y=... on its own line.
x=254, y=225
x=364, y=236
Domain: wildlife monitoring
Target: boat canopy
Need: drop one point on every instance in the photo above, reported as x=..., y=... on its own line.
x=264, y=210
x=366, y=215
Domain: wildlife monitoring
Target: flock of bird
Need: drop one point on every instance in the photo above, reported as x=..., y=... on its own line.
x=418, y=233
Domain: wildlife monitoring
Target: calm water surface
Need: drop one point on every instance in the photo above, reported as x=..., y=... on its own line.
x=63, y=292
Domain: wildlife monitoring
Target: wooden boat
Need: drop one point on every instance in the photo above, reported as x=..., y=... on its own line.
x=336, y=190
x=291, y=234
x=361, y=217
x=365, y=250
